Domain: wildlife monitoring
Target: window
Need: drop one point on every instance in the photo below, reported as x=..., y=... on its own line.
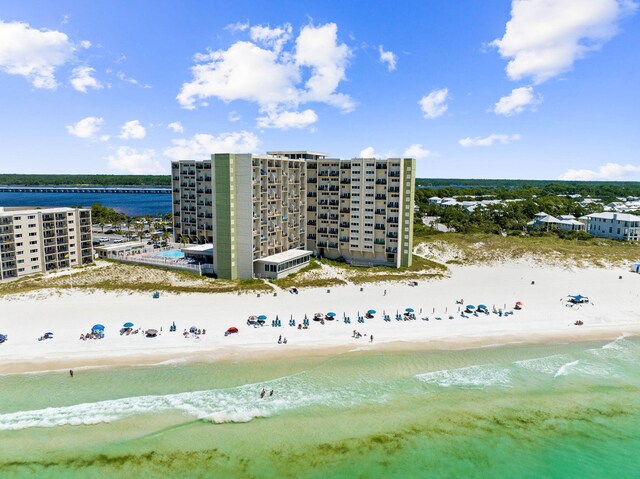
x=33, y=234
x=33, y=250
x=20, y=261
x=32, y=225
x=32, y=242
x=35, y=267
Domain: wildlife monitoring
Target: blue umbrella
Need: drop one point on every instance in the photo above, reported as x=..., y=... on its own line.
x=482, y=306
x=48, y=335
x=331, y=314
x=470, y=306
x=98, y=327
x=262, y=316
x=409, y=310
x=372, y=311
x=3, y=337
x=125, y=325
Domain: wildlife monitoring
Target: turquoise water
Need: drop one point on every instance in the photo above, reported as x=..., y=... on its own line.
x=529, y=411
x=175, y=254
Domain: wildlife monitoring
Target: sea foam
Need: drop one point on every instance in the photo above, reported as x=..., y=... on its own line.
x=478, y=376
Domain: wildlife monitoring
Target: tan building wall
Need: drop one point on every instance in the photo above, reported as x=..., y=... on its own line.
x=43, y=240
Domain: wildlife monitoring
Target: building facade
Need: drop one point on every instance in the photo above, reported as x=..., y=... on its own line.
x=265, y=215
x=621, y=226
x=43, y=240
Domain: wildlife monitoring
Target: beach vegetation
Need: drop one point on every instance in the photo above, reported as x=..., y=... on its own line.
x=121, y=277
x=543, y=248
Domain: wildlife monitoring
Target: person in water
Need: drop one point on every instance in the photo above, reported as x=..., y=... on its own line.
x=271, y=393
x=263, y=393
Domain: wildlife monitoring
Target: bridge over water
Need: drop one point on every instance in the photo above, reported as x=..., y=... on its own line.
x=155, y=190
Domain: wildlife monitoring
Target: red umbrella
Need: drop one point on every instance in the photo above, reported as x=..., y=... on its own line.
x=232, y=330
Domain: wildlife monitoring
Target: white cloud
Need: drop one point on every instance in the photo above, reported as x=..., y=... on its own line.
x=202, y=146
x=318, y=48
x=517, y=101
x=176, y=127
x=389, y=58
x=288, y=119
x=81, y=79
x=237, y=27
x=277, y=79
x=233, y=116
x=435, y=103
x=368, y=152
x=544, y=38
x=121, y=76
x=417, y=151
x=489, y=140
x=132, y=130
x=86, y=44
x=32, y=53
x=135, y=161
x=609, y=171
x=272, y=38
x=86, y=128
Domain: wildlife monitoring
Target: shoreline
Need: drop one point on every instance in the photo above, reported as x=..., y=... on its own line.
x=297, y=353
x=544, y=319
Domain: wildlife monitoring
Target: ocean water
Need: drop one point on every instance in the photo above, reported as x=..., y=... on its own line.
x=520, y=411
x=131, y=204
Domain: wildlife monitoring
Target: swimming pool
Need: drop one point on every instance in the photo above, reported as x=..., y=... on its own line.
x=174, y=253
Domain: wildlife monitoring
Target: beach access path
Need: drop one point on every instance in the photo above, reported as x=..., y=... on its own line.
x=613, y=310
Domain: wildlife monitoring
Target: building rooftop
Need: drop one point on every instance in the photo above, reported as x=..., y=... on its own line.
x=613, y=215
x=36, y=209
x=199, y=249
x=284, y=256
x=295, y=152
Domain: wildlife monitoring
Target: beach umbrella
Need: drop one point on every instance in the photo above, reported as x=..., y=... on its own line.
x=318, y=315
x=97, y=327
x=470, y=306
x=253, y=318
x=409, y=310
x=3, y=337
x=232, y=329
x=48, y=335
x=262, y=316
x=519, y=303
x=125, y=325
x=372, y=311
x=482, y=306
x=331, y=314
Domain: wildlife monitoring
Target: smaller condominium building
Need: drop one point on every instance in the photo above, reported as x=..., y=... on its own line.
x=43, y=240
x=621, y=226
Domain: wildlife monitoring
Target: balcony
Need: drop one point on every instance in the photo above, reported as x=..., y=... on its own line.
x=381, y=197
x=394, y=174
x=381, y=181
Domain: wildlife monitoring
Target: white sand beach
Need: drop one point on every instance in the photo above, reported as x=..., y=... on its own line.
x=611, y=312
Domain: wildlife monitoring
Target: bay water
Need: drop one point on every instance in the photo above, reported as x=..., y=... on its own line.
x=530, y=411
x=131, y=204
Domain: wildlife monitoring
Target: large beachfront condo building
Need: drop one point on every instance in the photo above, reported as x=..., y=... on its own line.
x=265, y=215
x=43, y=240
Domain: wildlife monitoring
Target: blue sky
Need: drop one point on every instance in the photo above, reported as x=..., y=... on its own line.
x=537, y=89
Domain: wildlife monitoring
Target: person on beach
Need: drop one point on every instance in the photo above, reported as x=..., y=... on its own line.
x=372, y=338
x=284, y=341
x=385, y=292
x=71, y=372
